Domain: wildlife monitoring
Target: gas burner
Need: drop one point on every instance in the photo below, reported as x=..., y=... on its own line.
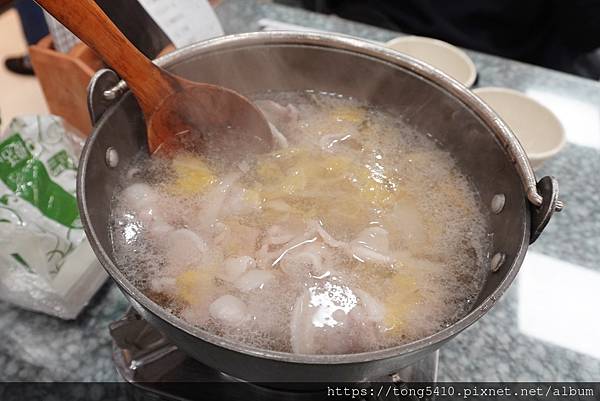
x=158, y=370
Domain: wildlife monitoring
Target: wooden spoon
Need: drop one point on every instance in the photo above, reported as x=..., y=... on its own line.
x=178, y=112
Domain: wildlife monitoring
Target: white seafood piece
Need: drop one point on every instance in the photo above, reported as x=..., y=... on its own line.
x=253, y=279
x=144, y=201
x=302, y=264
x=327, y=238
x=229, y=310
x=276, y=113
x=268, y=257
x=304, y=255
x=279, y=138
x=302, y=337
x=184, y=247
x=139, y=194
x=307, y=262
x=233, y=268
x=375, y=310
x=215, y=200
x=196, y=315
x=330, y=318
x=364, y=254
x=371, y=245
x=278, y=116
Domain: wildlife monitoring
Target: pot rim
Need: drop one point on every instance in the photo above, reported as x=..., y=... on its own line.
x=505, y=137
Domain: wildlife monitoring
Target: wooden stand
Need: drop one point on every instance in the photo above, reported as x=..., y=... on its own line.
x=64, y=78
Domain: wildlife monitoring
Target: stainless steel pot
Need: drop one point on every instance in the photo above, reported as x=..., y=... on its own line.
x=433, y=103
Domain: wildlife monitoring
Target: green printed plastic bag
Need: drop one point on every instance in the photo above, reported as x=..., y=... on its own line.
x=27, y=177
x=43, y=251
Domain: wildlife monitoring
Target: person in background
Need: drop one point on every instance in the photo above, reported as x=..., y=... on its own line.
x=34, y=27
x=558, y=34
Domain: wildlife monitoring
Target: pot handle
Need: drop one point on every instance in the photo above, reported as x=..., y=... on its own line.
x=542, y=195
x=104, y=90
x=546, y=193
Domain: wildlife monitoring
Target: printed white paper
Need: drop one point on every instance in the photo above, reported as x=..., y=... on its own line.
x=184, y=21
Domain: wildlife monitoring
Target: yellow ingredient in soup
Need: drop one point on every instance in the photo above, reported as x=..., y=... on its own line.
x=192, y=176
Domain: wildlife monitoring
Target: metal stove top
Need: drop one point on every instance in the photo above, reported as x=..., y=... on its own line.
x=158, y=370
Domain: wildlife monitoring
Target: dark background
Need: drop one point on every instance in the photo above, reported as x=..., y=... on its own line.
x=560, y=34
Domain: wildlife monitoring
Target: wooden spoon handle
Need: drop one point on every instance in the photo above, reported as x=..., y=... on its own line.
x=85, y=18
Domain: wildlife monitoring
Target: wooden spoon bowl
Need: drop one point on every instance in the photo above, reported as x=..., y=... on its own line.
x=208, y=119
x=180, y=114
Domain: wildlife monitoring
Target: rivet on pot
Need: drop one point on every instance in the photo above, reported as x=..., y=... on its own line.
x=112, y=157
x=498, y=202
x=497, y=261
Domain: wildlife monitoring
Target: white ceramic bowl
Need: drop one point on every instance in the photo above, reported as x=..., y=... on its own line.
x=439, y=54
x=537, y=127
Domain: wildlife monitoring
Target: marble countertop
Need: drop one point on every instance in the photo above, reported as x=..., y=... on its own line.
x=545, y=328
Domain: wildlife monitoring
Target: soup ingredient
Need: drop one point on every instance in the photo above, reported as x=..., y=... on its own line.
x=331, y=318
x=233, y=268
x=192, y=175
x=254, y=279
x=229, y=310
x=371, y=245
x=194, y=286
x=184, y=247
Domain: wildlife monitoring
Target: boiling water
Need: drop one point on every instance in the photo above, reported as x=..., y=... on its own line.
x=355, y=234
